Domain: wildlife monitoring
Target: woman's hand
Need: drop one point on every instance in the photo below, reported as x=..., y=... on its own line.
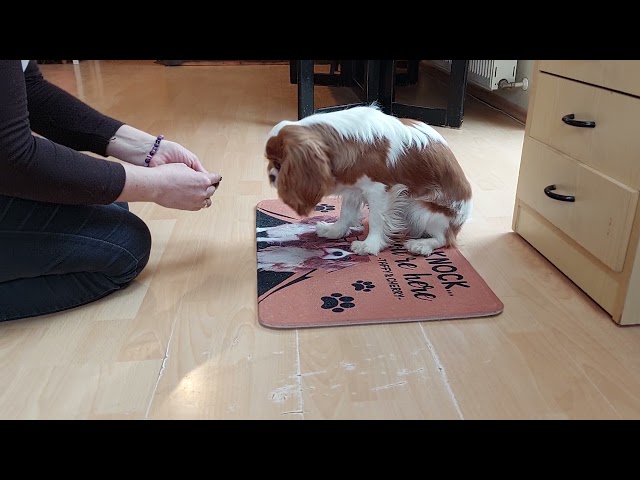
x=184, y=188
x=132, y=145
x=172, y=152
x=173, y=185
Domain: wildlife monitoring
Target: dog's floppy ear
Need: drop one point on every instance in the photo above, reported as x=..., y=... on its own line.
x=305, y=174
x=273, y=150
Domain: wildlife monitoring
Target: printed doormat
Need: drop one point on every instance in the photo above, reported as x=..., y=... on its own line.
x=309, y=281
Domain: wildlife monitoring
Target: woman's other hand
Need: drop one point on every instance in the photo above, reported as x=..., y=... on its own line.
x=172, y=185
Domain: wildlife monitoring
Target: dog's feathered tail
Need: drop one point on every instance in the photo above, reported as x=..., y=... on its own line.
x=395, y=213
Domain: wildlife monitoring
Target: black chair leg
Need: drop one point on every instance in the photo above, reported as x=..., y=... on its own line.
x=305, y=81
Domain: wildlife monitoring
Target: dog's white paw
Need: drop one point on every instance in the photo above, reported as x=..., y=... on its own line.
x=367, y=247
x=422, y=246
x=331, y=230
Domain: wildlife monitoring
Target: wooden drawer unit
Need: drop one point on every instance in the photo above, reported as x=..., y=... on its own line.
x=579, y=181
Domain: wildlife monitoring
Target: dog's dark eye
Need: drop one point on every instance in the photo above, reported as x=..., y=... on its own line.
x=276, y=165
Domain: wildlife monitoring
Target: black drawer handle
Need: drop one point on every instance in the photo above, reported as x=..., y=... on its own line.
x=569, y=120
x=548, y=191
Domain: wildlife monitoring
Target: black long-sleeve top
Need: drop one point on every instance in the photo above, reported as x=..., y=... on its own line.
x=53, y=168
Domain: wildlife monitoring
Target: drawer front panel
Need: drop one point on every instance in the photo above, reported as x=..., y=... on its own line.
x=595, y=279
x=600, y=218
x=621, y=75
x=612, y=147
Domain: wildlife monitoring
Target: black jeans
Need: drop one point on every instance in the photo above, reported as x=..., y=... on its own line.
x=56, y=257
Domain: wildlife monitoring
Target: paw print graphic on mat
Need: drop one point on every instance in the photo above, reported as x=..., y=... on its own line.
x=363, y=286
x=323, y=207
x=337, y=302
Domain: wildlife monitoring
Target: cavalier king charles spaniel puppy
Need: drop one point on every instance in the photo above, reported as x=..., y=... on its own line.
x=401, y=168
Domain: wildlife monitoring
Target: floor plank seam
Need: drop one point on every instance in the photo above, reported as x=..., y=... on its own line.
x=442, y=371
x=299, y=377
x=169, y=341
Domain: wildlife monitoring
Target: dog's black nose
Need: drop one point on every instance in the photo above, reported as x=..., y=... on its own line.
x=272, y=178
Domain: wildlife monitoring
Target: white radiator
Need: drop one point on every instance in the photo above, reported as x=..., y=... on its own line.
x=485, y=73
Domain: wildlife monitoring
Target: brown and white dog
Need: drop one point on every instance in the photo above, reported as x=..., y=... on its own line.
x=403, y=169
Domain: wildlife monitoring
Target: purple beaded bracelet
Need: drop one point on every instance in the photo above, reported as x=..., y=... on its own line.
x=153, y=150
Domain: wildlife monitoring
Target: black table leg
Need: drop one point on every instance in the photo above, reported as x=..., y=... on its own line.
x=305, y=88
x=346, y=73
x=387, y=82
x=457, y=92
x=372, y=81
x=293, y=71
x=413, y=69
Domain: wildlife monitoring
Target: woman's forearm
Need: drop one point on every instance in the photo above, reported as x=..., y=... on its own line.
x=130, y=145
x=141, y=185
